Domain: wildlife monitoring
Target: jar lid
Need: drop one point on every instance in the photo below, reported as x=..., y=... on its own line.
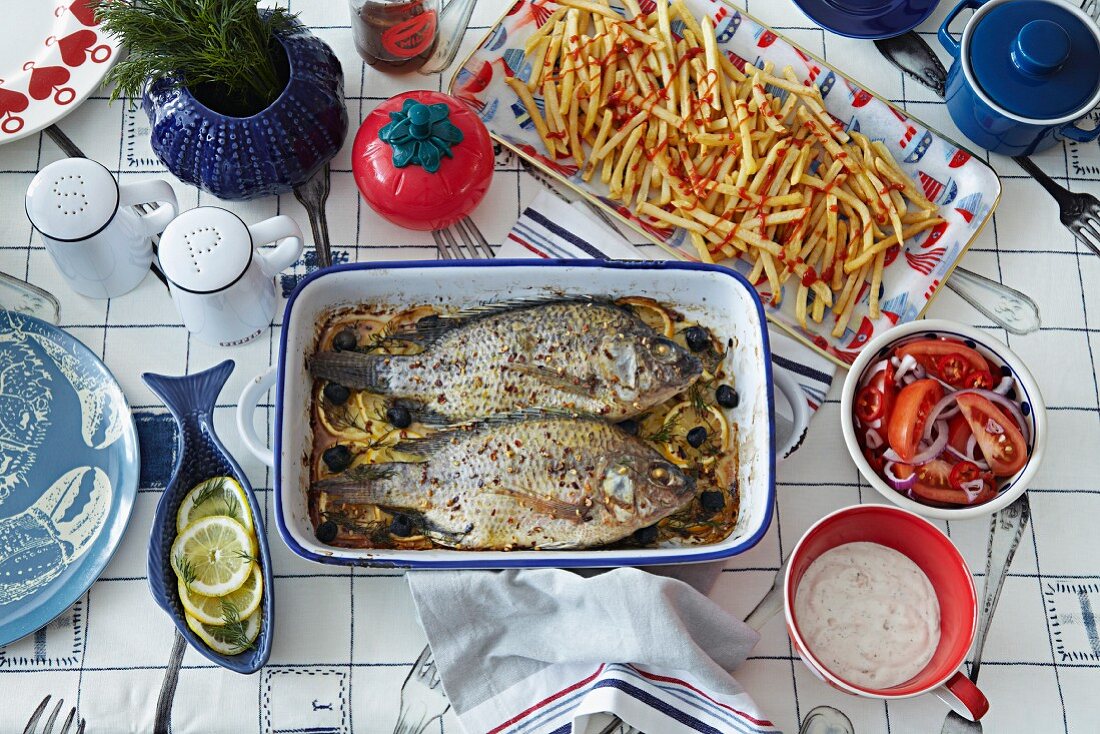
x=205, y=250
x=1037, y=59
x=72, y=199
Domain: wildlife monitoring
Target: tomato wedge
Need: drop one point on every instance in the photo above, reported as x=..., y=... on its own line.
x=998, y=437
x=911, y=410
x=928, y=351
x=934, y=485
x=958, y=433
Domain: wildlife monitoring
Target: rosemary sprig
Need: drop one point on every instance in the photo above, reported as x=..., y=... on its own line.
x=697, y=396
x=235, y=631
x=227, y=43
x=665, y=433
x=185, y=569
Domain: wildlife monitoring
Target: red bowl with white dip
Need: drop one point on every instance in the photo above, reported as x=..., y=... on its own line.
x=919, y=542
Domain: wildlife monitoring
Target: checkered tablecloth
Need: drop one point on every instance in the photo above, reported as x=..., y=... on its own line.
x=346, y=638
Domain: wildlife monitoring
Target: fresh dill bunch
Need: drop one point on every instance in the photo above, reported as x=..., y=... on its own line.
x=235, y=631
x=185, y=569
x=225, y=43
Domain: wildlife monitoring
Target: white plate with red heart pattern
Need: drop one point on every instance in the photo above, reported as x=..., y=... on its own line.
x=53, y=55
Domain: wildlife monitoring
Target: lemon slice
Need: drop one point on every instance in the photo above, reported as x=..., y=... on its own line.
x=228, y=640
x=652, y=313
x=217, y=496
x=713, y=419
x=358, y=419
x=208, y=609
x=214, y=555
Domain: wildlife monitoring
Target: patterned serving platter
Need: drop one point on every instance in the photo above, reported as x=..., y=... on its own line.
x=964, y=187
x=53, y=55
x=68, y=471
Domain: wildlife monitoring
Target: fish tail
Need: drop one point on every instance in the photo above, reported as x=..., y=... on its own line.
x=191, y=394
x=352, y=369
x=367, y=484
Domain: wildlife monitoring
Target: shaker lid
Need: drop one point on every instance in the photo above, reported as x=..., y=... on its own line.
x=205, y=250
x=72, y=199
x=1037, y=59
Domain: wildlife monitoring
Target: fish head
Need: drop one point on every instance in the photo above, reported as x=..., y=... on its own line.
x=648, y=365
x=646, y=487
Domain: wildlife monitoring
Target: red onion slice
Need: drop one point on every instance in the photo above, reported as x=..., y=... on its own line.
x=947, y=406
x=901, y=485
x=873, y=439
x=1004, y=386
x=904, y=368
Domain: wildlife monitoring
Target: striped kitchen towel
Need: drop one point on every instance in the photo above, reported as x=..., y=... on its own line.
x=548, y=651
x=553, y=228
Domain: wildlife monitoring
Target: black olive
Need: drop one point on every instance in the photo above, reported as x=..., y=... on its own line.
x=630, y=426
x=646, y=536
x=712, y=501
x=697, y=338
x=696, y=436
x=401, y=526
x=399, y=417
x=337, y=458
x=336, y=394
x=345, y=340
x=326, y=531
x=727, y=397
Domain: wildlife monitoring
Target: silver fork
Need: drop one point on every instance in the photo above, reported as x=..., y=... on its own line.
x=422, y=698
x=462, y=241
x=1079, y=213
x=52, y=719
x=1092, y=7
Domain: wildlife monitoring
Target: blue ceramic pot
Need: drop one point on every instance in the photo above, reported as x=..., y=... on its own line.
x=1025, y=72
x=268, y=153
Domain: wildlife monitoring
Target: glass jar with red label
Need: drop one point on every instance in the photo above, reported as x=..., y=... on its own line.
x=395, y=35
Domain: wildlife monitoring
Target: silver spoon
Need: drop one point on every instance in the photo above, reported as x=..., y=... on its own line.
x=1006, y=530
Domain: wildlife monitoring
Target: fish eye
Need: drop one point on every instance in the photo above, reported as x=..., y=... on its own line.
x=662, y=474
x=664, y=350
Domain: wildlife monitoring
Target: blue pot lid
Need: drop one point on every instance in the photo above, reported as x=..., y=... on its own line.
x=1036, y=59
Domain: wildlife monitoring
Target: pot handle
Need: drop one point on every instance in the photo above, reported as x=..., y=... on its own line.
x=963, y=696
x=792, y=391
x=146, y=192
x=1071, y=131
x=246, y=415
x=287, y=234
x=946, y=39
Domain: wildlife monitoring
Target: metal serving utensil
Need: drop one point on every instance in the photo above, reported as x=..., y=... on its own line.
x=422, y=697
x=1006, y=529
x=312, y=195
x=32, y=724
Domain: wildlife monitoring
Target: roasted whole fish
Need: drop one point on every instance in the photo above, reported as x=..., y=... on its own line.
x=524, y=481
x=587, y=356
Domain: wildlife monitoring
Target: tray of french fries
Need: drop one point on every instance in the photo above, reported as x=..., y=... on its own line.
x=721, y=141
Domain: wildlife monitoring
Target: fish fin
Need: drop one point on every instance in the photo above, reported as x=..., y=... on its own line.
x=353, y=369
x=364, y=484
x=559, y=509
x=552, y=378
x=430, y=444
x=427, y=333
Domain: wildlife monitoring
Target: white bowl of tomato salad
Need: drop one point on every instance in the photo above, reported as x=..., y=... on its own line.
x=943, y=420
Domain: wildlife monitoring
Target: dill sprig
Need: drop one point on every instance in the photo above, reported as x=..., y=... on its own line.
x=352, y=525
x=185, y=569
x=211, y=488
x=697, y=396
x=235, y=630
x=665, y=433
x=246, y=556
x=227, y=43
x=233, y=507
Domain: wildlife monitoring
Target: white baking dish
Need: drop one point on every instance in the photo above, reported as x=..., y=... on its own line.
x=715, y=296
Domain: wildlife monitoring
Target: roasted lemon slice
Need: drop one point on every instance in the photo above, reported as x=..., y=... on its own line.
x=209, y=609
x=217, y=496
x=213, y=555
x=686, y=416
x=228, y=639
x=651, y=312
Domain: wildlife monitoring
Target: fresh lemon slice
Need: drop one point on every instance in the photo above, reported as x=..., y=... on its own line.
x=217, y=496
x=208, y=609
x=213, y=555
x=228, y=640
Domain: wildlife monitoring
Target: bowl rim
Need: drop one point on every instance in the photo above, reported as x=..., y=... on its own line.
x=1018, y=482
x=574, y=559
x=796, y=636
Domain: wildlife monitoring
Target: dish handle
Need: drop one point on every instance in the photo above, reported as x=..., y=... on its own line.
x=246, y=414
x=792, y=391
x=947, y=40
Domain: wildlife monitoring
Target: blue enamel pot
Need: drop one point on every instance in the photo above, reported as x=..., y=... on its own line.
x=267, y=153
x=1025, y=73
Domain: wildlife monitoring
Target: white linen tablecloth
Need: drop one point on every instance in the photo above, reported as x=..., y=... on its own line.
x=346, y=638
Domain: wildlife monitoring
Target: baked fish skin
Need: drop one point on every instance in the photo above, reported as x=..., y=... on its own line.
x=524, y=481
x=586, y=356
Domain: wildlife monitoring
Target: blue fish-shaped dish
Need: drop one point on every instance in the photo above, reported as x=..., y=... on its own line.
x=202, y=456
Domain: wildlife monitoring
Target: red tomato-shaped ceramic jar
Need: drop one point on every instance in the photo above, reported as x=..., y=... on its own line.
x=423, y=160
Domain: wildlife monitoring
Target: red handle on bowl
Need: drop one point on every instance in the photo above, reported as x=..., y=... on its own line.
x=963, y=696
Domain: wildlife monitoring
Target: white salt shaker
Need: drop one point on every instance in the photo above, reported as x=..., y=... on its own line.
x=221, y=282
x=97, y=240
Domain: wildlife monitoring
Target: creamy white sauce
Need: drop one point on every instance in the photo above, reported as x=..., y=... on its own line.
x=868, y=614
